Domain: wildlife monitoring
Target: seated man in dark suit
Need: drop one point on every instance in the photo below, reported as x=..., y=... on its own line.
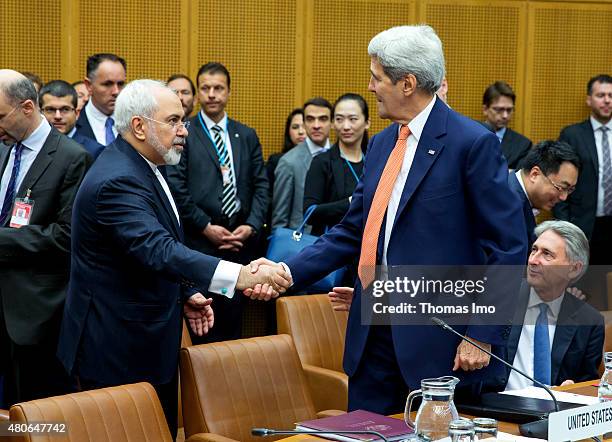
x=497, y=107
x=58, y=101
x=547, y=175
x=557, y=338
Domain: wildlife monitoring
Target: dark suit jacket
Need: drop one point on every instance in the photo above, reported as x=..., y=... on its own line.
x=91, y=145
x=35, y=259
x=530, y=221
x=581, y=206
x=325, y=186
x=514, y=146
x=83, y=127
x=578, y=343
x=197, y=183
x=130, y=274
x=456, y=209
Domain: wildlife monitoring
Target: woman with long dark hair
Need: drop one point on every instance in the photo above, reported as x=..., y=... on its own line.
x=295, y=133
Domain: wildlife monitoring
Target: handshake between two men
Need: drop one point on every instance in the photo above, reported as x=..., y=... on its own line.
x=261, y=280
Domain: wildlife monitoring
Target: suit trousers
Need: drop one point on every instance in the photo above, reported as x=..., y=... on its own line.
x=31, y=371
x=378, y=384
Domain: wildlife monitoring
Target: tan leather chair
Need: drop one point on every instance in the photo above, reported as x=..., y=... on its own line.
x=230, y=387
x=318, y=332
x=116, y=414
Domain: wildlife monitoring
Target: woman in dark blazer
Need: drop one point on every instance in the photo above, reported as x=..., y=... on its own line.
x=333, y=175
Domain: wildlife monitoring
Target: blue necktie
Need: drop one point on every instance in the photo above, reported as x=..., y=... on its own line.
x=108, y=130
x=11, y=189
x=541, y=347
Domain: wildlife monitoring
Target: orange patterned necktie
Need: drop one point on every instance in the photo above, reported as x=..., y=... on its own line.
x=369, y=242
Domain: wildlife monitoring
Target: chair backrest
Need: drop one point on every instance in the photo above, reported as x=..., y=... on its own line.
x=317, y=329
x=116, y=414
x=230, y=387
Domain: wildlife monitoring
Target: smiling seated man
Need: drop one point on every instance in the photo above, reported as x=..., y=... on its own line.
x=557, y=339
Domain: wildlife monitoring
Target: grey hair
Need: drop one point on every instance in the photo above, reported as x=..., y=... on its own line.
x=416, y=50
x=19, y=90
x=576, y=243
x=135, y=99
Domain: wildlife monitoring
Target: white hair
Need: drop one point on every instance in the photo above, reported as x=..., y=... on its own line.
x=136, y=98
x=416, y=50
x=576, y=243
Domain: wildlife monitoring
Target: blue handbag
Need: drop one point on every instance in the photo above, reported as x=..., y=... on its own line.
x=285, y=243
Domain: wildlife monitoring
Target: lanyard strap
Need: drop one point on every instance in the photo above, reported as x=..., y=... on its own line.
x=352, y=170
x=207, y=132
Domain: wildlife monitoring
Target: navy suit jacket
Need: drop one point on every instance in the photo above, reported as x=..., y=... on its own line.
x=456, y=209
x=91, y=145
x=530, y=221
x=578, y=343
x=197, y=183
x=581, y=206
x=129, y=275
x=83, y=127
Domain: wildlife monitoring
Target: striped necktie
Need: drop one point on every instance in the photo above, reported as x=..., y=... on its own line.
x=606, y=175
x=228, y=198
x=11, y=189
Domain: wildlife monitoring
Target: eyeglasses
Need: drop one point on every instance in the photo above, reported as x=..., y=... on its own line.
x=175, y=125
x=50, y=111
x=501, y=110
x=560, y=189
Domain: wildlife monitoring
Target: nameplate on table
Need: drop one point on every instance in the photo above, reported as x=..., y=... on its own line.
x=580, y=423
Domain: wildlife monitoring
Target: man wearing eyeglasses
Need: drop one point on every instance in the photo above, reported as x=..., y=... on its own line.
x=40, y=172
x=547, y=175
x=221, y=189
x=58, y=101
x=498, y=107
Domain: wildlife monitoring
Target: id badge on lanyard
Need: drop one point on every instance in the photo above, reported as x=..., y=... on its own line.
x=22, y=211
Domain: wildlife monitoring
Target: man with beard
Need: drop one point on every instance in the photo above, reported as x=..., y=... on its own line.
x=132, y=279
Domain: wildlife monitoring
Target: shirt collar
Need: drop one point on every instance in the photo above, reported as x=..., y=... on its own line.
x=554, y=305
x=417, y=124
x=151, y=164
x=37, y=139
x=315, y=148
x=93, y=112
x=210, y=123
x=596, y=124
x=500, y=133
x=519, y=177
x=71, y=133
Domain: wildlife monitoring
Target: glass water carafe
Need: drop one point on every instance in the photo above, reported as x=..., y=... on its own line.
x=437, y=409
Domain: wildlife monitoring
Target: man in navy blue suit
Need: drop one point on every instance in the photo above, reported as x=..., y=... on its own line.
x=546, y=176
x=448, y=203
x=557, y=339
x=131, y=278
x=58, y=101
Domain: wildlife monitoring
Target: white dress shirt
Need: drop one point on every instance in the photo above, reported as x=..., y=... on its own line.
x=523, y=359
x=315, y=149
x=500, y=134
x=598, y=144
x=228, y=142
x=416, y=129
x=226, y=274
x=519, y=177
x=32, y=146
x=97, y=121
